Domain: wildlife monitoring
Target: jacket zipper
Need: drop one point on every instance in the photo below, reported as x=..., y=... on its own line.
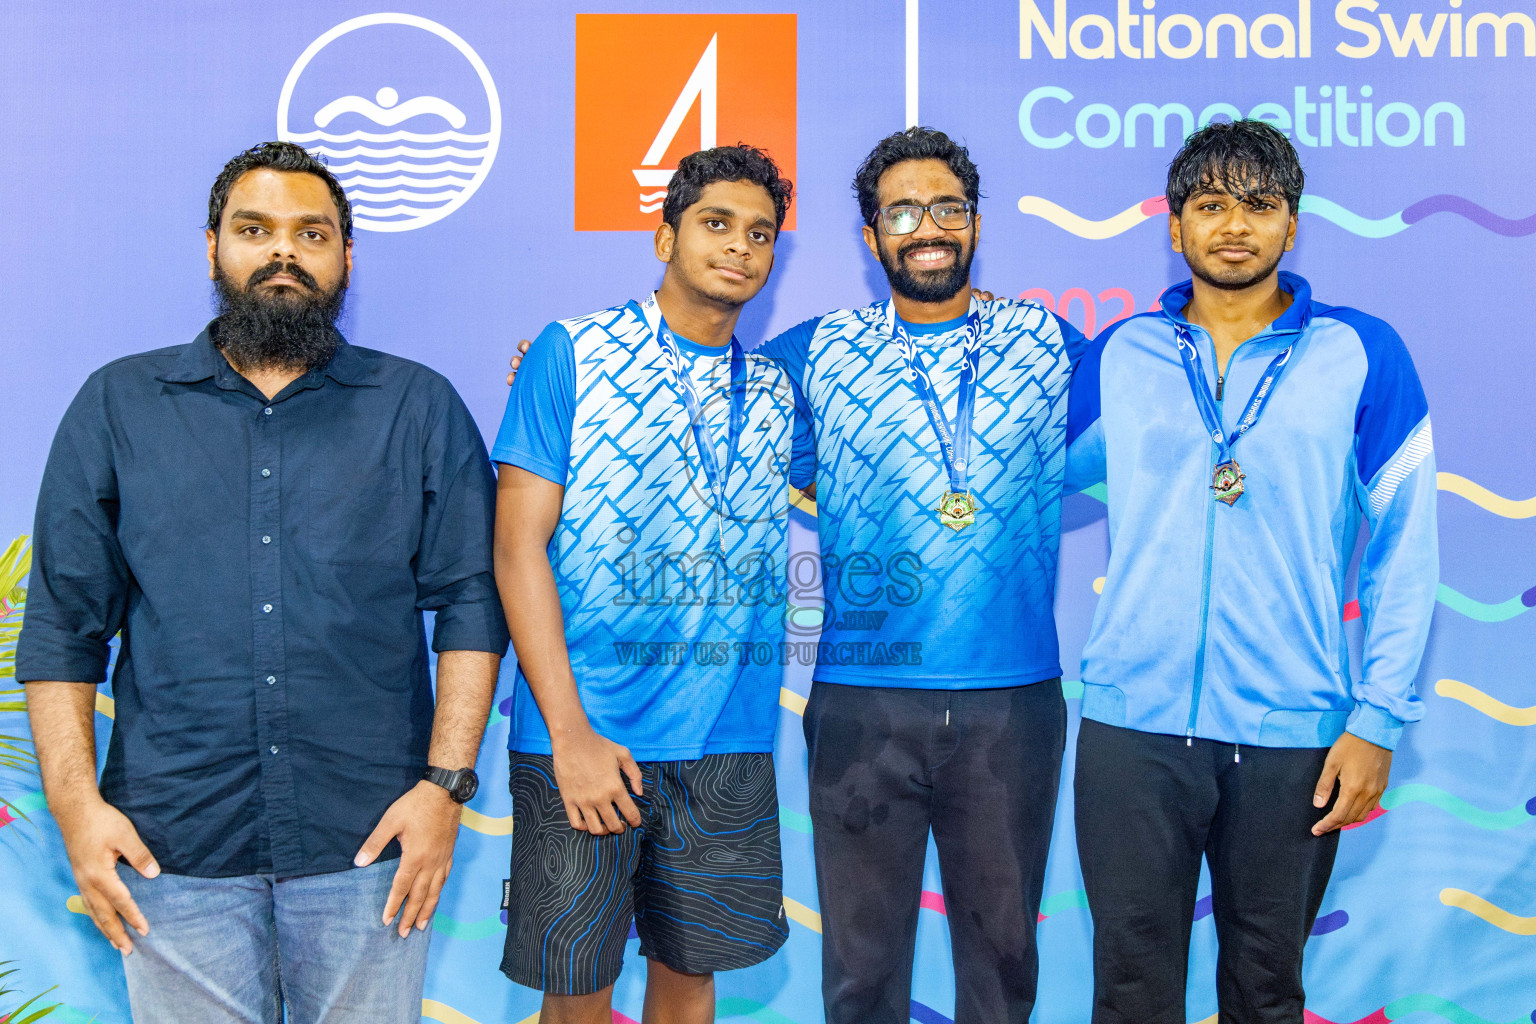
x=1205, y=569
x=1205, y=572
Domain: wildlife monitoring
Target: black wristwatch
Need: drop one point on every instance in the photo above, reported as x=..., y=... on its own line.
x=461, y=785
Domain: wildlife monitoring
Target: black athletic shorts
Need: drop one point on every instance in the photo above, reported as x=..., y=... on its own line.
x=700, y=878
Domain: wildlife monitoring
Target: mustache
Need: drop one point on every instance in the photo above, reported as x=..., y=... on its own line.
x=930, y=243
x=293, y=270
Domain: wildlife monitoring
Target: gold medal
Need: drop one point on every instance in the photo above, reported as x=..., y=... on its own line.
x=1227, y=481
x=957, y=511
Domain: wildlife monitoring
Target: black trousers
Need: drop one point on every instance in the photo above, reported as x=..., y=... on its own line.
x=1148, y=807
x=978, y=767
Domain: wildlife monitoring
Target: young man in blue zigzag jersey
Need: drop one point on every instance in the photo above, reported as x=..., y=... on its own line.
x=641, y=553
x=1243, y=430
x=940, y=426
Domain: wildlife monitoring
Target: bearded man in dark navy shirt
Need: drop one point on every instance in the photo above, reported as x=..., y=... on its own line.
x=264, y=515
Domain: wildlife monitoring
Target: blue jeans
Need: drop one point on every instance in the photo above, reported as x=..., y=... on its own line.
x=236, y=950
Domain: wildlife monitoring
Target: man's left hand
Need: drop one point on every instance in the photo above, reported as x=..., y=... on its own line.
x=1360, y=768
x=426, y=821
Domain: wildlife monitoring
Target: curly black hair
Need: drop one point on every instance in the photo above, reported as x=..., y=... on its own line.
x=1245, y=159
x=913, y=144
x=740, y=162
x=279, y=156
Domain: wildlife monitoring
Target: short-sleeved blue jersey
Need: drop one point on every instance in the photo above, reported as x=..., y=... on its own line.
x=908, y=601
x=674, y=613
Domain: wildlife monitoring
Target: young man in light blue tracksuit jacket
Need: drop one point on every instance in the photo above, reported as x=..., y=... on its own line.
x=1242, y=430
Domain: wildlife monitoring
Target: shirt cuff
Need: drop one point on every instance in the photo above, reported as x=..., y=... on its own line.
x=471, y=627
x=1372, y=724
x=57, y=655
x=522, y=460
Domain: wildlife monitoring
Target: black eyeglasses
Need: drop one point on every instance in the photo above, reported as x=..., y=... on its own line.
x=903, y=220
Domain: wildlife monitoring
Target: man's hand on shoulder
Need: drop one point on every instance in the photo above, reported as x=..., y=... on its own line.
x=1360, y=768
x=517, y=359
x=426, y=821
x=977, y=293
x=591, y=772
x=96, y=834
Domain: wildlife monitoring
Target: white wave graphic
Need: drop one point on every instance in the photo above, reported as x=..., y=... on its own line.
x=364, y=196
x=386, y=211
x=365, y=181
x=380, y=152
x=653, y=207
x=647, y=197
x=400, y=136
x=399, y=165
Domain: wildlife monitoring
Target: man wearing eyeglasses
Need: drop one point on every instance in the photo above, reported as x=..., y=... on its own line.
x=940, y=440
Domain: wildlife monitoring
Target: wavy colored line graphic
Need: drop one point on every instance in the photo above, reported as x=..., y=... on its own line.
x=485, y=824
x=1436, y=1005
x=794, y=821
x=1330, y=922
x=431, y=1009
x=1479, y=701
x=736, y=1006
x=933, y=901
x=793, y=701
x=1474, y=609
x=106, y=705
x=802, y=915
x=1422, y=1003
x=469, y=931
x=1492, y=821
x=1485, y=499
x=1097, y=230
x=1060, y=902
x=1354, y=223
x=1379, y=1017
x=76, y=905
x=619, y=1018
x=1375, y=813
x=1485, y=219
x=1490, y=912
x=925, y=1014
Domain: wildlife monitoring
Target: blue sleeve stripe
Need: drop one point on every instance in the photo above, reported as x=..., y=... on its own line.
x=1408, y=458
x=1392, y=403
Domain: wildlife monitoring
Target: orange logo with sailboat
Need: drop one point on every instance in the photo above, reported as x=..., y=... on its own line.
x=652, y=88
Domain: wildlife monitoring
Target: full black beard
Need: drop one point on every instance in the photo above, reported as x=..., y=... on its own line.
x=282, y=330
x=927, y=285
x=1232, y=284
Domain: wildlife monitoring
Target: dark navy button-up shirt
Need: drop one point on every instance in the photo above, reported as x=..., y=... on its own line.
x=268, y=563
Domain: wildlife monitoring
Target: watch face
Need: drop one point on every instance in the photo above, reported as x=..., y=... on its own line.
x=465, y=786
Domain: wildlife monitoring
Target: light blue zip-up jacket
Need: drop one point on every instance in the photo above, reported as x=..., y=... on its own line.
x=1225, y=623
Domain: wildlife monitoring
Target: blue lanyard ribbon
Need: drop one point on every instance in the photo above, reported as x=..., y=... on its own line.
x=1206, y=402
x=954, y=442
x=682, y=383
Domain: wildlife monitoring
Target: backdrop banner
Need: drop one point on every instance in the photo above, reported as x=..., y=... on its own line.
x=507, y=162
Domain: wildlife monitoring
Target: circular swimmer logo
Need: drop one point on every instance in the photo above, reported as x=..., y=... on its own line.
x=402, y=110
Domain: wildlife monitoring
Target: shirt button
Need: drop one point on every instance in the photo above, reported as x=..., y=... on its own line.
x=268, y=410
x=266, y=472
x=271, y=680
x=273, y=749
x=266, y=608
x=266, y=540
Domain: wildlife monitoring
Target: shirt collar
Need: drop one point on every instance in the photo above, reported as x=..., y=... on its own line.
x=1293, y=320
x=201, y=361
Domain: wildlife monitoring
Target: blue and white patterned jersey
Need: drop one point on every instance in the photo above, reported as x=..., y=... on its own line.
x=908, y=601
x=674, y=613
